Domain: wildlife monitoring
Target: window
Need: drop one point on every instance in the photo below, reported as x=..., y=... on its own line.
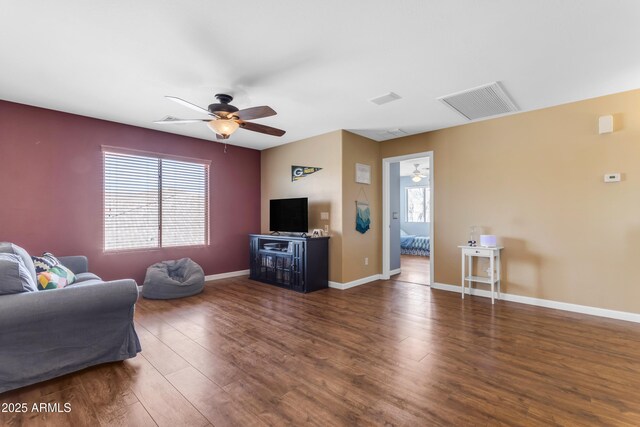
x=154, y=202
x=418, y=204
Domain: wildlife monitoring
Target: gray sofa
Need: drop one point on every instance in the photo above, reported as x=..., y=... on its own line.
x=45, y=334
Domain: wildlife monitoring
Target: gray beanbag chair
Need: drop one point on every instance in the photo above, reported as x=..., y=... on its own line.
x=173, y=279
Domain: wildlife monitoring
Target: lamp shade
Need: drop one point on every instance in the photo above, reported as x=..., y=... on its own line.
x=223, y=127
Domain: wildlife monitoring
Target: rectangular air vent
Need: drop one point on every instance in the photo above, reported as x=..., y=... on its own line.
x=391, y=133
x=385, y=98
x=483, y=101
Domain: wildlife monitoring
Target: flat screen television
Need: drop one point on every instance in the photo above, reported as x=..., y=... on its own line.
x=289, y=215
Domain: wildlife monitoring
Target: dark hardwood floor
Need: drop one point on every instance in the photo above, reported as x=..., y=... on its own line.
x=415, y=269
x=386, y=353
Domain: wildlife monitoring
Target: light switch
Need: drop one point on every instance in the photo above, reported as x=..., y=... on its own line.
x=324, y=215
x=395, y=215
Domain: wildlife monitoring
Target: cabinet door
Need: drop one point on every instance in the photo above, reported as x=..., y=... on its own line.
x=297, y=267
x=254, y=259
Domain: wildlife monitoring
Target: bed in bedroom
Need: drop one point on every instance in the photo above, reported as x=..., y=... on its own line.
x=414, y=244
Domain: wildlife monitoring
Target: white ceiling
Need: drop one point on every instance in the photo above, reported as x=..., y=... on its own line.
x=316, y=63
x=407, y=167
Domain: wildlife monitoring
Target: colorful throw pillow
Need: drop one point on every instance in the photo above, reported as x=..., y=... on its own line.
x=49, y=263
x=44, y=263
x=50, y=280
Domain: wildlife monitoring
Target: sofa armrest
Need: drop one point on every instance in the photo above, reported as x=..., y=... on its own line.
x=76, y=263
x=60, y=306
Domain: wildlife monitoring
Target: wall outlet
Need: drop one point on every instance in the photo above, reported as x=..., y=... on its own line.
x=326, y=228
x=366, y=261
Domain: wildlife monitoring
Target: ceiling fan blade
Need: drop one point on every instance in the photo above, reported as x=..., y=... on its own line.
x=255, y=113
x=188, y=104
x=255, y=127
x=175, y=120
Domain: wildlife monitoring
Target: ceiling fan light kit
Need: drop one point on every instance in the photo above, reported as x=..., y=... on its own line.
x=224, y=118
x=224, y=127
x=417, y=175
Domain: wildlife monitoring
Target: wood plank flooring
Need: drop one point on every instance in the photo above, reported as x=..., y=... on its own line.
x=385, y=353
x=415, y=269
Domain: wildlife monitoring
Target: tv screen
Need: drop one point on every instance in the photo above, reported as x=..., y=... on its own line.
x=289, y=215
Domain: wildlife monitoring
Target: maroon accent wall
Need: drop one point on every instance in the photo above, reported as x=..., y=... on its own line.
x=51, y=190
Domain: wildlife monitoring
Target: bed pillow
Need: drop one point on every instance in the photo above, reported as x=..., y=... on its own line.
x=402, y=233
x=14, y=276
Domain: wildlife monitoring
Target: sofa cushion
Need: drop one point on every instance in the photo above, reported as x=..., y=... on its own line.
x=83, y=277
x=14, y=277
x=10, y=248
x=88, y=282
x=48, y=262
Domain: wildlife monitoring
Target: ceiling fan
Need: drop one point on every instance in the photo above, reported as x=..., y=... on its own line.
x=417, y=175
x=224, y=118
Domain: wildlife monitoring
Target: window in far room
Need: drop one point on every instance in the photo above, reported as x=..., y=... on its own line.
x=154, y=202
x=418, y=204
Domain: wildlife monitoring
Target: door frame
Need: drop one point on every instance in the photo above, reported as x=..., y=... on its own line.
x=386, y=217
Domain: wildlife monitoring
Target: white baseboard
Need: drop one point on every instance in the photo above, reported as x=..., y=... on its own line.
x=394, y=272
x=558, y=305
x=358, y=282
x=226, y=275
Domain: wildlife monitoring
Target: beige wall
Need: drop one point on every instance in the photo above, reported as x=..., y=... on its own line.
x=323, y=188
x=333, y=190
x=357, y=246
x=536, y=180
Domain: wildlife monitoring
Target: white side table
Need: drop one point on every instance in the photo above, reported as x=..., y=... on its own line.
x=493, y=254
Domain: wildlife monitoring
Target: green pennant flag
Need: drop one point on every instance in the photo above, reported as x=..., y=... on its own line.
x=299, y=172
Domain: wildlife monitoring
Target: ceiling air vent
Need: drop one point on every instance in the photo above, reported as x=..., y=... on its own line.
x=482, y=101
x=389, y=97
x=391, y=133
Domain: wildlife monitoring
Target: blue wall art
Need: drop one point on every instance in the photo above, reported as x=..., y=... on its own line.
x=363, y=217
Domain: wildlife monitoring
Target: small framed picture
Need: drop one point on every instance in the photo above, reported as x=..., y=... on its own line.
x=363, y=174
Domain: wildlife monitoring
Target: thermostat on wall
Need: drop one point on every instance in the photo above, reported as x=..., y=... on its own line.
x=612, y=177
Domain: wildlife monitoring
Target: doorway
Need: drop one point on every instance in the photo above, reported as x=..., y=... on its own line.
x=407, y=247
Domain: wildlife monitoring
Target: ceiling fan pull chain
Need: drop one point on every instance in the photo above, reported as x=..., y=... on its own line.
x=225, y=148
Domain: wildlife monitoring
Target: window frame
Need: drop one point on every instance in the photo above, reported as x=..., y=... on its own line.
x=106, y=149
x=426, y=203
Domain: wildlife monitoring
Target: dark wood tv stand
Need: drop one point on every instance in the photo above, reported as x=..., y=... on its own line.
x=292, y=262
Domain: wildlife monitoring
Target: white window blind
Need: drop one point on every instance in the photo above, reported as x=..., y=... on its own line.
x=152, y=202
x=184, y=203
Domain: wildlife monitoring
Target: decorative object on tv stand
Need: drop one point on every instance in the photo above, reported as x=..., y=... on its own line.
x=363, y=173
x=317, y=232
x=488, y=240
x=299, y=172
x=473, y=236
